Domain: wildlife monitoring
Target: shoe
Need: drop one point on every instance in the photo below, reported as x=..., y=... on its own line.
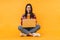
x=23, y=35
x=30, y=34
x=36, y=34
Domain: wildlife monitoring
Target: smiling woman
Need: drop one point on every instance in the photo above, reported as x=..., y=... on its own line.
x=29, y=30
x=47, y=15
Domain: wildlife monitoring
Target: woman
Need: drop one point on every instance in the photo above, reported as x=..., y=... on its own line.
x=29, y=31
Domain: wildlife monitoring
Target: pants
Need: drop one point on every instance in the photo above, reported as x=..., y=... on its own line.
x=29, y=30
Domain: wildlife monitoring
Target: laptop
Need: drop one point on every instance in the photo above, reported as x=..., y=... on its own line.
x=29, y=23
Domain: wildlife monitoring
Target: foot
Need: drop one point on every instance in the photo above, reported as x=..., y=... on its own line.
x=30, y=34
x=36, y=34
x=22, y=34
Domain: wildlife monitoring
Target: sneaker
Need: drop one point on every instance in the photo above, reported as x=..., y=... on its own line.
x=22, y=34
x=30, y=34
x=36, y=34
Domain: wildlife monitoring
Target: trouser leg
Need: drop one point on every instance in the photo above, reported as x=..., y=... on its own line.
x=23, y=30
x=35, y=29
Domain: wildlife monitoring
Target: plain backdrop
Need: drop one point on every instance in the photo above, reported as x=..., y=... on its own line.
x=46, y=11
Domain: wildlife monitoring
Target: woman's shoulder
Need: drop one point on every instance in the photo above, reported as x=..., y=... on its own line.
x=34, y=15
x=23, y=15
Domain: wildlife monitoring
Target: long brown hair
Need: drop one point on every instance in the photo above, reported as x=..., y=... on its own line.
x=31, y=12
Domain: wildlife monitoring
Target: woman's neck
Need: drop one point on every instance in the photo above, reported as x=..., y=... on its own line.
x=28, y=15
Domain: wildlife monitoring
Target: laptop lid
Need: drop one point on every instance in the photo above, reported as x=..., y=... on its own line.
x=29, y=23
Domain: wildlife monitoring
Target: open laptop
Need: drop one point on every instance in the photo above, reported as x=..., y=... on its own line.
x=29, y=23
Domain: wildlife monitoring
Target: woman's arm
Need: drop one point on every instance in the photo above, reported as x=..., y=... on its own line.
x=36, y=19
x=22, y=19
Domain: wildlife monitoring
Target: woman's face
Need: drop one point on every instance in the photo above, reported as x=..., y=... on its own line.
x=28, y=9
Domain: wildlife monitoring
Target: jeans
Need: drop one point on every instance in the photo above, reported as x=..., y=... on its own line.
x=28, y=30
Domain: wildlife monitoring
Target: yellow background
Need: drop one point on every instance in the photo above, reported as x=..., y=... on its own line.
x=47, y=13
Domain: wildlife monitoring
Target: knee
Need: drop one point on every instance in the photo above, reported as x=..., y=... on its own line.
x=38, y=26
x=19, y=27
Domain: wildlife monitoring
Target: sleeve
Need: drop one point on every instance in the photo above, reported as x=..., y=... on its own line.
x=35, y=18
x=22, y=19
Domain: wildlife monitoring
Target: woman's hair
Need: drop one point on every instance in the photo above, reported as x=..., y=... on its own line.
x=31, y=11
